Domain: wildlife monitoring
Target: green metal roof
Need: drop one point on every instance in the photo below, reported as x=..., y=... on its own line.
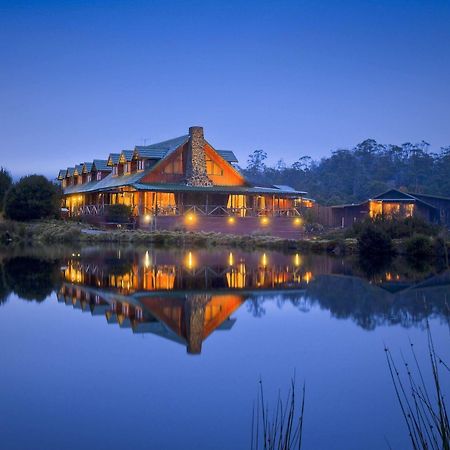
x=160, y=149
x=80, y=188
x=127, y=154
x=102, y=165
x=228, y=156
x=109, y=182
x=87, y=167
x=165, y=187
x=78, y=168
x=113, y=158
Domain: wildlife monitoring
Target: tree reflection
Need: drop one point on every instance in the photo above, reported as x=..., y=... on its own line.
x=4, y=291
x=31, y=278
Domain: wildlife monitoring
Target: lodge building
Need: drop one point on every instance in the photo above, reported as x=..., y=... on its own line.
x=185, y=181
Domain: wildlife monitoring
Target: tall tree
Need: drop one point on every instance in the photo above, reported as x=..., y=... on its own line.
x=5, y=184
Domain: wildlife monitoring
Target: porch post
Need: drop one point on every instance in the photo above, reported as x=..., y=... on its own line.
x=140, y=211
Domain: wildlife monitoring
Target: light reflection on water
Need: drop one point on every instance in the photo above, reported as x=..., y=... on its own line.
x=314, y=314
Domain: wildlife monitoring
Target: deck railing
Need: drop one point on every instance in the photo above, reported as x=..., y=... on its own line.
x=201, y=210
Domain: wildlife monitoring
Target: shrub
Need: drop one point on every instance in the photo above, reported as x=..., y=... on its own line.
x=419, y=246
x=32, y=197
x=373, y=240
x=397, y=227
x=118, y=213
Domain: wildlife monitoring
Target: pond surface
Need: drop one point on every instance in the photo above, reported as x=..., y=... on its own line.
x=137, y=348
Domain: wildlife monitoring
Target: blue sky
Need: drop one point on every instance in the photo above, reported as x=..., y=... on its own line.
x=79, y=80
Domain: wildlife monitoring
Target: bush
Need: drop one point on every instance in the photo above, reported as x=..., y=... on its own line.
x=397, y=227
x=118, y=213
x=32, y=197
x=419, y=246
x=373, y=240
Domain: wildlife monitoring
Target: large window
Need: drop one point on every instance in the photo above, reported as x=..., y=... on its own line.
x=237, y=204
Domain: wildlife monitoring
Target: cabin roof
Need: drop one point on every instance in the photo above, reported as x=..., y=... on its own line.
x=87, y=167
x=62, y=174
x=394, y=195
x=126, y=155
x=78, y=169
x=160, y=149
x=165, y=187
x=113, y=159
x=228, y=156
x=101, y=164
x=438, y=197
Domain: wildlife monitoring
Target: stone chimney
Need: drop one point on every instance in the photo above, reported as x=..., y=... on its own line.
x=196, y=160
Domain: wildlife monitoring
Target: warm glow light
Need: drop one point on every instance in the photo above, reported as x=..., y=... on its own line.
x=230, y=259
x=264, y=220
x=264, y=260
x=231, y=220
x=147, y=261
x=147, y=218
x=190, y=263
x=190, y=218
x=297, y=221
x=308, y=277
x=297, y=260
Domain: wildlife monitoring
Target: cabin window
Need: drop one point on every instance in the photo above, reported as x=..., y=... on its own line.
x=375, y=209
x=140, y=164
x=127, y=167
x=237, y=203
x=115, y=170
x=138, y=313
x=99, y=176
x=64, y=183
x=89, y=178
x=212, y=168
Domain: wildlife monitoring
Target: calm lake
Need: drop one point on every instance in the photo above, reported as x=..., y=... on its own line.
x=143, y=348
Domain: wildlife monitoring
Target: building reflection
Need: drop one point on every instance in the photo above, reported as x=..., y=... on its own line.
x=183, y=297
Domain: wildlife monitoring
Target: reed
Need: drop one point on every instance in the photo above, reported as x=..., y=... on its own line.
x=423, y=407
x=282, y=428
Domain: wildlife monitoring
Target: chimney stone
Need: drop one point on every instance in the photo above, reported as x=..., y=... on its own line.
x=196, y=161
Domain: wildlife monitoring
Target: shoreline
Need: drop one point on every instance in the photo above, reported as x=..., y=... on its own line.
x=59, y=232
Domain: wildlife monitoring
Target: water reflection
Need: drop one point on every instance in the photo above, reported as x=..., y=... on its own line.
x=185, y=296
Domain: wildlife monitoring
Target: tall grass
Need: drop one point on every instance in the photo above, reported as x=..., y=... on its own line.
x=424, y=408
x=282, y=428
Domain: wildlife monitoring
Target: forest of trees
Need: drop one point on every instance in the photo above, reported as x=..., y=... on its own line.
x=354, y=175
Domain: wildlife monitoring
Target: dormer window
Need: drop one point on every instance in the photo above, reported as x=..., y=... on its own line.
x=115, y=170
x=99, y=176
x=141, y=164
x=127, y=167
x=89, y=178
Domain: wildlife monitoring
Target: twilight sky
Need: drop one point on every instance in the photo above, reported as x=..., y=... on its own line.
x=81, y=79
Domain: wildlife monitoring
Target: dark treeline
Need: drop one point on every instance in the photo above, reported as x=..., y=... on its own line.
x=354, y=175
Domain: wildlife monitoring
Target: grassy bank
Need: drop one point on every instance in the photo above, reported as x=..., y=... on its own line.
x=59, y=232
x=56, y=232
